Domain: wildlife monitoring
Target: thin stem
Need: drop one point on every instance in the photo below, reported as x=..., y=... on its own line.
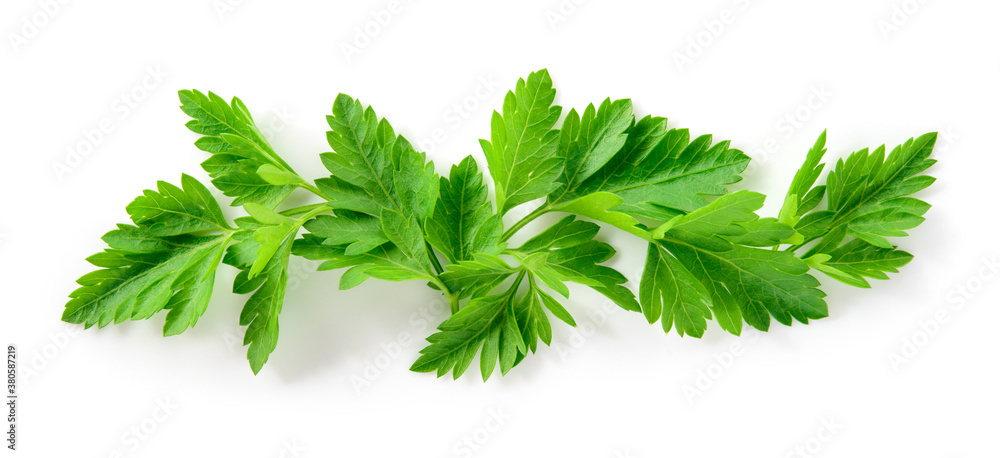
x=524, y=222
x=311, y=188
x=452, y=297
x=304, y=209
x=434, y=259
x=315, y=211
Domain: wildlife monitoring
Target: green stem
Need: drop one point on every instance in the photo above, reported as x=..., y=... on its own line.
x=434, y=259
x=320, y=209
x=304, y=209
x=311, y=188
x=452, y=297
x=524, y=222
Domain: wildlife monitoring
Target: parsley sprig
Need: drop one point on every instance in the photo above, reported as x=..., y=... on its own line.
x=386, y=214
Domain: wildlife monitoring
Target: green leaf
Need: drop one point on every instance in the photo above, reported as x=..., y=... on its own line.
x=157, y=264
x=238, y=149
x=274, y=175
x=802, y=196
x=746, y=282
x=587, y=143
x=574, y=256
x=487, y=322
x=581, y=264
x=372, y=168
x=477, y=277
x=464, y=222
x=274, y=232
x=762, y=282
x=531, y=318
x=660, y=174
x=766, y=232
x=566, y=232
x=597, y=206
x=376, y=172
x=172, y=211
x=385, y=262
x=522, y=150
x=144, y=276
x=556, y=308
x=260, y=313
x=857, y=259
x=360, y=232
x=670, y=293
x=867, y=194
x=708, y=226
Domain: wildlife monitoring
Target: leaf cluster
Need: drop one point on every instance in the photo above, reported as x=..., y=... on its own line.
x=383, y=212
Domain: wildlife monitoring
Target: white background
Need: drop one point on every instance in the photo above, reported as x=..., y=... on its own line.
x=613, y=388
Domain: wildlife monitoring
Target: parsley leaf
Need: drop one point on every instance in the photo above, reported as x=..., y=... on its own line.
x=521, y=152
x=743, y=282
x=239, y=150
x=158, y=263
x=463, y=222
x=854, y=260
x=867, y=194
x=661, y=173
x=487, y=322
